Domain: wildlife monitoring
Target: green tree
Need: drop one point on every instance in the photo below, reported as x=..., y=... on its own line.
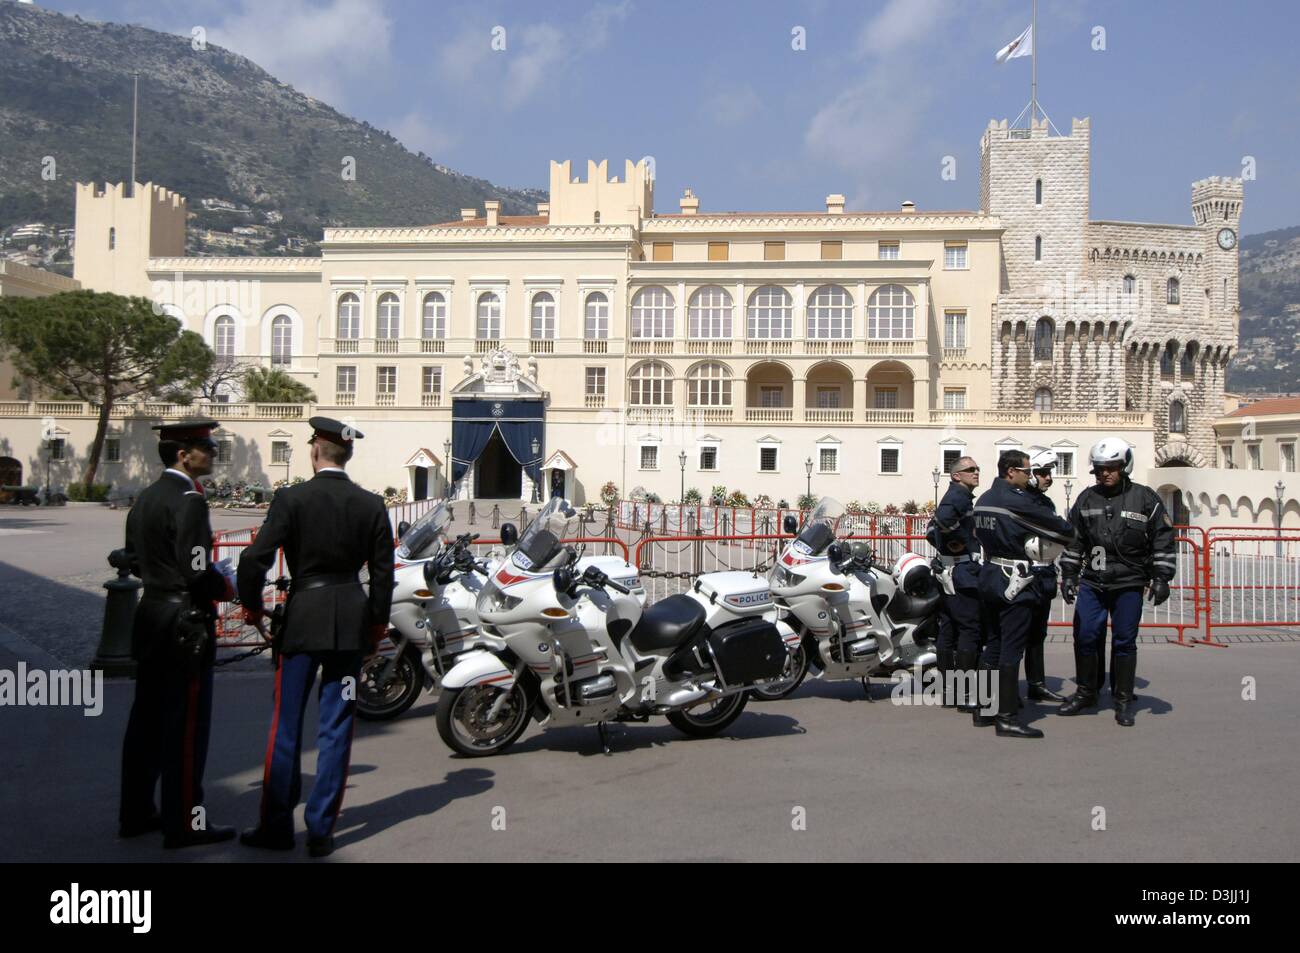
x=100, y=348
x=273, y=386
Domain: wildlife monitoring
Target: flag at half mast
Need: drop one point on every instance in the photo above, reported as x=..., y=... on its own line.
x=1023, y=45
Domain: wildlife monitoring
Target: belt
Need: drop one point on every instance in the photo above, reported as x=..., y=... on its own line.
x=322, y=581
x=166, y=595
x=1038, y=564
x=1009, y=563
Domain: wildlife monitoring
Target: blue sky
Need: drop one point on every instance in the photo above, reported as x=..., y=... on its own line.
x=714, y=91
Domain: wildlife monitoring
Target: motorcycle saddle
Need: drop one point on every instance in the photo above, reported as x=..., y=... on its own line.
x=908, y=608
x=668, y=623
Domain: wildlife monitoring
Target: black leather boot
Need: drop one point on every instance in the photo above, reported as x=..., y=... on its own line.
x=1085, y=696
x=983, y=676
x=1036, y=677
x=964, y=672
x=1006, y=723
x=1124, y=670
x=947, y=661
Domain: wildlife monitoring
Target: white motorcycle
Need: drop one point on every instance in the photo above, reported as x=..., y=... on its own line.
x=575, y=655
x=436, y=585
x=858, y=619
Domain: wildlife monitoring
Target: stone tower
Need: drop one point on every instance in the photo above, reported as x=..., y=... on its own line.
x=117, y=232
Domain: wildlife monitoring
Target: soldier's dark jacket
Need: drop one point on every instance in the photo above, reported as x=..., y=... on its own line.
x=1122, y=540
x=318, y=523
x=1005, y=518
x=952, y=533
x=169, y=540
x=1046, y=574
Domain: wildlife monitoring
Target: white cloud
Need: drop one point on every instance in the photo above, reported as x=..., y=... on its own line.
x=900, y=24
x=320, y=48
x=419, y=134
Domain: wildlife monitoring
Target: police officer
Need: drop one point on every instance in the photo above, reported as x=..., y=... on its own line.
x=1124, y=543
x=1042, y=462
x=329, y=528
x=952, y=534
x=169, y=545
x=1014, y=529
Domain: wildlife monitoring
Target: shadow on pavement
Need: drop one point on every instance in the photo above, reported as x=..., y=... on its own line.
x=366, y=820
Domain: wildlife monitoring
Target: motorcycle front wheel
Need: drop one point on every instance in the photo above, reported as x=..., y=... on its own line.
x=773, y=691
x=383, y=703
x=702, y=721
x=467, y=726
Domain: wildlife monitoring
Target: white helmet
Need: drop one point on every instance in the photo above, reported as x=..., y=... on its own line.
x=1110, y=451
x=1041, y=458
x=1042, y=550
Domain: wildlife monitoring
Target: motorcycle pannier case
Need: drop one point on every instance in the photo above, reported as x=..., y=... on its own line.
x=747, y=650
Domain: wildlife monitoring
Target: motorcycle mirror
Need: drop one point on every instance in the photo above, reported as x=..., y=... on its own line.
x=430, y=573
x=509, y=535
x=563, y=579
x=789, y=524
x=861, y=551
x=836, y=553
x=402, y=527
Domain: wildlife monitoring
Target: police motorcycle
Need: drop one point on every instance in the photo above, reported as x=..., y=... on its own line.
x=434, y=618
x=856, y=618
x=567, y=651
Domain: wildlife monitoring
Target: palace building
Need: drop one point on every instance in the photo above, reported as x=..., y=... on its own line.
x=599, y=340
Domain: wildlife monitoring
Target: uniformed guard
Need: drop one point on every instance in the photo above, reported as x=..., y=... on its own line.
x=1124, y=543
x=1042, y=462
x=329, y=528
x=169, y=545
x=952, y=534
x=1014, y=529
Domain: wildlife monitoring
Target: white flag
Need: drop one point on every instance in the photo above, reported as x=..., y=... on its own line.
x=1023, y=45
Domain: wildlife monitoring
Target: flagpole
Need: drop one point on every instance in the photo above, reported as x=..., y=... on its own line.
x=1033, y=73
x=135, y=115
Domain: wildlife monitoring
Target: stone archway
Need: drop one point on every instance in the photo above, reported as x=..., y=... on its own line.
x=1179, y=454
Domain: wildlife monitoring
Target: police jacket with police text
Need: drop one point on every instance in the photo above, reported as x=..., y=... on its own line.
x=1123, y=538
x=1006, y=517
x=952, y=533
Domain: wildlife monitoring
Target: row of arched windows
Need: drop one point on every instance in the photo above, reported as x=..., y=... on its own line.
x=891, y=314
x=223, y=339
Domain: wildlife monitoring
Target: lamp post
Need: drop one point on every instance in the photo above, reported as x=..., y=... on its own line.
x=934, y=475
x=681, y=496
x=1069, y=485
x=807, y=466
x=1279, y=488
x=288, y=455
x=446, y=462
x=537, y=490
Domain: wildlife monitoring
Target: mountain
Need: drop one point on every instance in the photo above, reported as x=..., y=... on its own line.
x=1268, y=357
x=213, y=125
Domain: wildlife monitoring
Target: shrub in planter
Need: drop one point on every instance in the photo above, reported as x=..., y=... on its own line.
x=807, y=502
x=692, y=497
x=98, y=492
x=890, y=510
x=653, y=498
x=609, y=493
x=910, y=508
x=854, y=508
x=718, y=495
x=871, y=508
x=737, y=499
x=763, y=501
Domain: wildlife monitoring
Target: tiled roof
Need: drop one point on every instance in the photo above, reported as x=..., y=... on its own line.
x=1273, y=406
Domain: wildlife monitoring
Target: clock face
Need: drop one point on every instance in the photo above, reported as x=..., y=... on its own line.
x=1227, y=238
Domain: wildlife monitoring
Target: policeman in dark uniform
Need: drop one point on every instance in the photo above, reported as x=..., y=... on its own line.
x=952, y=534
x=1014, y=530
x=329, y=528
x=1124, y=543
x=1042, y=462
x=169, y=546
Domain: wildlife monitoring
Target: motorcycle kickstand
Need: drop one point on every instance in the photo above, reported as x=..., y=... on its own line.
x=866, y=687
x=604, y=737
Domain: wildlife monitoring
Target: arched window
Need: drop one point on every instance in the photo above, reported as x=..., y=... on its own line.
x=650, y=385
x=1043, y=399
x=435, y=315
x=1130, y=284
x=488, y=325
x=596, y=324
x=543, y=315
x=1187, y=366
x=709, y=385
x=709, y=313
x=223, y=339
x=282, y=339
x=770, y=314
x=830, y=313
x=1177, y=417
x=1038, y=248
x=349, y=317
x=890, y=313
x=1044, y=331
x=112, y=238
x=1038, y=191
x=1172, y=291
x=389, y=315
x=652, y=313
x=1167, y=358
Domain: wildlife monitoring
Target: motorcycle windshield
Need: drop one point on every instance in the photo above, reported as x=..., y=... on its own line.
x=822, y=526
x=424, y=537
x=541, y=545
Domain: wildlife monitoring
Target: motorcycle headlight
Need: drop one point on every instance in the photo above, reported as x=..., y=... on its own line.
x=784, y=578
x=498, y=601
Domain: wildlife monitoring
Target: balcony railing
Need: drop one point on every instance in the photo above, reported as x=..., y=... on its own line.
x=385, y=400
x=346, y=345
x=650, y=346
x=649, y=414
x=769, y=415
x=594, y=401
x=485, y=345
x=828, y=415
x=595, y=346
x=896, y=415
x=542, y=345
x=386, y=345
x=891, y=347
x=431, y=400
x=346, y=399
x=954, y=354
x=432, y=346
x=768, y=346
x=710, y=415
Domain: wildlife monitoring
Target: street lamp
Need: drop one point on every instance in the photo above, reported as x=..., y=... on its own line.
x=446, y=462
x=934, y=475
x=1279, y=488
x=1069, y=485
x=681, y=497
x=807, y=466
x=288, y=454
x=537, y=490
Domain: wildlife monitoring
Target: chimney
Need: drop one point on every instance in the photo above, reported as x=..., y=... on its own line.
x=835, y=205
x=544, y=210
x=492, y=208
x=690, y=205
x=909, y=207
x=468, y=214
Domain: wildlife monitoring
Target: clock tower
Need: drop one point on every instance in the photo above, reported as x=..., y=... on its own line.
x=1216, y=209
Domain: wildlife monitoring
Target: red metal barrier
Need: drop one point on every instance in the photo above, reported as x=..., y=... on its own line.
x=1251, y=581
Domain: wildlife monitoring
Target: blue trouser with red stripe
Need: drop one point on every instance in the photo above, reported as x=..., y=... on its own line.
x=1094, y=607
x=282, y=776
